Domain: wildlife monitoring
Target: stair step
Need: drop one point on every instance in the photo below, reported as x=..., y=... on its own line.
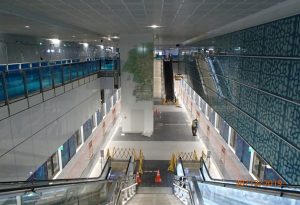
x=154, y=190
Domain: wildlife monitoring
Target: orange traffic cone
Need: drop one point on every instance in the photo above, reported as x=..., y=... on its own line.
x=138, y=179
x=157, y=177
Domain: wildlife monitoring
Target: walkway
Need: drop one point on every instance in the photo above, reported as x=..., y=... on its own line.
x=172, y=134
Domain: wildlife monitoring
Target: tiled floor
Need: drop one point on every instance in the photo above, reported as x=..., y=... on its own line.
x=172, y=134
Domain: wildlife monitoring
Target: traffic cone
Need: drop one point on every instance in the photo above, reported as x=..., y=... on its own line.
x=138, y=179
x=157, y=177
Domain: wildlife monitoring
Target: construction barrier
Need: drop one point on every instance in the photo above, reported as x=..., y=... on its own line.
x=123, y=153
x=188, y=156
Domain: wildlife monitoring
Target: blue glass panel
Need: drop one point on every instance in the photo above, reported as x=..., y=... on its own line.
x=57, y=75
x=65, y=154
x=58, y=62
x=67, y=73
x=69, y=61
x=33, y=80
x=246, y=155
x=46, y=78
x=224, y=130
x=74, y=73
x=64, y=62
x=72, y=146
x=12, y=67
x=270, y=174
x=25, y=65
x=87, y=129
x=35, y=64
x=44, y=63
x=3, y=68
x=2, y=94
x=80, y=69
x=41, y=173
x=15, y=84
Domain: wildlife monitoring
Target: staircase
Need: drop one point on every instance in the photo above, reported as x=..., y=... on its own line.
x=153, y=196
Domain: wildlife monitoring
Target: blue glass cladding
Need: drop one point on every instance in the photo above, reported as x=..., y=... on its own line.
x=65, y=156
x=33, y=80
x=40, y=174
x=242, y=151
x=259, y=73
x=99, y=117
x=224, y=130
x=72, y=146
x=15, y=84
x=87, y=128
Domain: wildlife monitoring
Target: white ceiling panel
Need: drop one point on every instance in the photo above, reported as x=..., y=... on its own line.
x=182, y=19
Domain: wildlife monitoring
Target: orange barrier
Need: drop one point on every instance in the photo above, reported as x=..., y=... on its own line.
x=157, y=177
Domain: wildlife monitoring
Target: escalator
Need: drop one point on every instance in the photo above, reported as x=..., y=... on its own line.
x=204, y=190
x=169, y=80
x=105, y=189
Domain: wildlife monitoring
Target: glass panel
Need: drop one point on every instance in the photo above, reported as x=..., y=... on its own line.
x=74, y=73
x=92, y=193
x=80, y=69
x=99, y=117
x=2, y=94
x=57, y=75
x=15, y=84
x=78, y=138
x=230, y=196
x=46, y=78
x=87, y=128
x=65, y=154
x=258, y=167
x=233, y=139
x=33, y=81
x=67, y=73
x=40, y=174
x=72, y=146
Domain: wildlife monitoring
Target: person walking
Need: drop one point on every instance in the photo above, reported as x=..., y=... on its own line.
x=194, y=127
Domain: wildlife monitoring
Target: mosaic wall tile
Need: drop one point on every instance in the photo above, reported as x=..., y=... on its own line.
x=274, y=76
x=296, y=43
x=291, y=127
x=270, y=112
x=248, y=100
x=294, y=82
x=289, y=163
x=257, y=79
x=267, y=145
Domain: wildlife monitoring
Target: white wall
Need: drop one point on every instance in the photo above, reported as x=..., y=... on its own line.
x=28, y=138
x=137, y=117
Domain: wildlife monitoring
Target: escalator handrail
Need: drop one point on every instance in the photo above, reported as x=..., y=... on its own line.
x=129, y=162
x=180, y=160
x=44, y=183
x=234, y=184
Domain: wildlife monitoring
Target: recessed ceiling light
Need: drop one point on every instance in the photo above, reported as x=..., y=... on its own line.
x=73, y=36
x=154, y=26
x=115, y=37
x=27, y=26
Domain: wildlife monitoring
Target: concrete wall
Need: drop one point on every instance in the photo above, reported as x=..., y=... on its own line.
x=28, y=138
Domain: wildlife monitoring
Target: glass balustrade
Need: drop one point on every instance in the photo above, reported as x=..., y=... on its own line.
x=17, y=84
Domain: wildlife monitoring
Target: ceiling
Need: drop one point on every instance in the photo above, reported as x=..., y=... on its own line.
x=90, y=20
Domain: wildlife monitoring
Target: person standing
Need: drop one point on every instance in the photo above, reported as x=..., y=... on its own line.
x=194, y=127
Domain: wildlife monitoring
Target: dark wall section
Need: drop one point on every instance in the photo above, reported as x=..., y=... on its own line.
x=257, y=73
x=169, y=80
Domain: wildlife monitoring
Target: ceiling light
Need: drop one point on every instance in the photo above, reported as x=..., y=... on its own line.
x=55, y=41
x=109, y=38
x=84, y=44
x=154, y=26
x=115, y=37
x=73, y=36
x=27, y=26
x=101, y=46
